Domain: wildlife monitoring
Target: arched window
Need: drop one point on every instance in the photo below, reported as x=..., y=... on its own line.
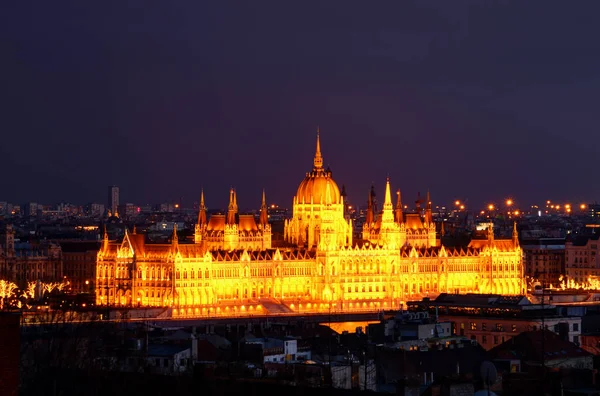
x=177, y=275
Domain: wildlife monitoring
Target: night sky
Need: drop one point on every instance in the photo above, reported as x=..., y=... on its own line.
x=477, y=101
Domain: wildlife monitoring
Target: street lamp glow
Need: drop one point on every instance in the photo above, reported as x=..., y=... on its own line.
x=509, y=202
x=491, y=207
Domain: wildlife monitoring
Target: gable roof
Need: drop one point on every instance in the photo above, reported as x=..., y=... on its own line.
x=527, y=346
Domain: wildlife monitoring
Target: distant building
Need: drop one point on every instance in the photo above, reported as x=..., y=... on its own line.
x=113, y=200
x=545, y=259
x=276, y=350
x=582, y=258
x=26, y=262
x=30, y=209
x=128, y=210
x=95, y=210
x=525, y=352
x=493, y=319
x=79, y=265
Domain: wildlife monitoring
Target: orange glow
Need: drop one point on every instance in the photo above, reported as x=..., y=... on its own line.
x=509, y=202
x=462, y=207
x=230, y=266
x=457, y=203
x=582, y=206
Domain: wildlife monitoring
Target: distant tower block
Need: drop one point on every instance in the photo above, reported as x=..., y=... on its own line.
x=113, y=200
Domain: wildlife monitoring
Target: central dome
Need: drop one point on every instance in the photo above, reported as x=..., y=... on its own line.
x=314, y=185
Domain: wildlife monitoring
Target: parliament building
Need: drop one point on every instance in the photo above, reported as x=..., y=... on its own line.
x=233, y=267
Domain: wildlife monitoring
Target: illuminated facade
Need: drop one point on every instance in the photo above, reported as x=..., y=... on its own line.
x=233, y=269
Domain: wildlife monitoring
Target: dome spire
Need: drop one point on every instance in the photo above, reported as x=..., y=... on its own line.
x=318, y=162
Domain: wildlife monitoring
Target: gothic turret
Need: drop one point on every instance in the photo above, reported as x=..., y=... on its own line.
x=202, y=210
x=387, y=213
x=515, y=235
x=175, y=239
x=428, y=213
x=399, y=212
x=200, y=227
x=232, y=208
x=264, y=216
x=370, y=216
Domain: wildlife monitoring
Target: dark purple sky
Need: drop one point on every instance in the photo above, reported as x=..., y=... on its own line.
x=468, y=100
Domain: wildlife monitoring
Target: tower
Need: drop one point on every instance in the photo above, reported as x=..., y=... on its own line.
x=231, y=231
x=200, y=227
x=113, y=200
x=399, y=211
x=263, y=223
x=317, y=193
x=8, y=242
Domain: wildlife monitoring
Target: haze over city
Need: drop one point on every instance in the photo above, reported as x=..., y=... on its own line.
x=467, y=100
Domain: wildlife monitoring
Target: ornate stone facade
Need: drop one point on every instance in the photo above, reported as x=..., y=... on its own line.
x=232, y=269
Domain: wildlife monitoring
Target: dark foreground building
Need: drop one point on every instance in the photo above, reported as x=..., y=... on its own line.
x=9, y=353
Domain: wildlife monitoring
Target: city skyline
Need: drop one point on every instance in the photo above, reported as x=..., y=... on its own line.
x=465, y=101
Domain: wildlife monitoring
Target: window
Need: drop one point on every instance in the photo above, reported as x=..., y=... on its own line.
x=576, y=340
x=495, y=340
x=575, y=326
x=499, y=327
x=514, y=328
x=473, y=326
x=483, y=327
x=484, y=339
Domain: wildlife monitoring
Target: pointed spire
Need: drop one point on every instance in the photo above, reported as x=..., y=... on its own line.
x=264, y=216
x=232, y=208
x=399, y=212
x=175, y=239
x=388, y=195
x=428, y=213
x=134, y=230
x=202, y=210
x=318, y=161
x=105, y=240
x=387, y=213
x=515, y=234
x=491, y=232
x=442, y=229
x=370, y=217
